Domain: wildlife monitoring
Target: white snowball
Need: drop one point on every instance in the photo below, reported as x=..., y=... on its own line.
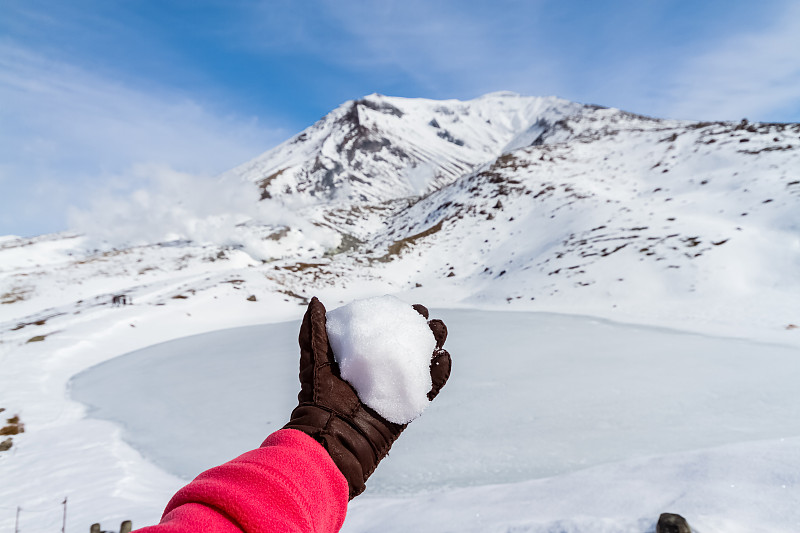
x=384, y=348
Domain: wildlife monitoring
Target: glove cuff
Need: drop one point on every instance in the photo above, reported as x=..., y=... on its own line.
x=356, y=442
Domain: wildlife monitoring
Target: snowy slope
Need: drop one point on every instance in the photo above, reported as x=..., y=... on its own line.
x=499, y=203
x=615, y=214
x=706, y=214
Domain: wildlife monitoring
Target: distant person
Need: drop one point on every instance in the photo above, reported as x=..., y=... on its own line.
x=302, y=476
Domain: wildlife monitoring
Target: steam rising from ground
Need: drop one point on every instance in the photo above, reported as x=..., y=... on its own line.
x=159, y=204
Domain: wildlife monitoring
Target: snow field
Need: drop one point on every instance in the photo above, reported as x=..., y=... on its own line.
x=738, y=488
x=64, y=453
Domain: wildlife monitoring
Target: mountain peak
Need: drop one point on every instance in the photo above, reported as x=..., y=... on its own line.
x=380, y=148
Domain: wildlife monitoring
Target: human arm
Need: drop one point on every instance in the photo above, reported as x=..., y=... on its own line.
x=289, y=484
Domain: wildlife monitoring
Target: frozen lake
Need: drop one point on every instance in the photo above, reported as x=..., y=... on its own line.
x=532, y=395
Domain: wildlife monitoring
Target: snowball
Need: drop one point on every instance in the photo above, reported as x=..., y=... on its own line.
x=384, y=349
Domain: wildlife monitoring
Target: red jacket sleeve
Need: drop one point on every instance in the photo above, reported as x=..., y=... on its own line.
x=288, y=484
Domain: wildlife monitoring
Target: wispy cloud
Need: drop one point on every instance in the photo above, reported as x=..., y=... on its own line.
x=752, y=73
x=65, y=129
x=449, y=48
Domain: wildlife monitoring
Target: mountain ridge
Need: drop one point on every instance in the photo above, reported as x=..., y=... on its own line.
x=380, y=148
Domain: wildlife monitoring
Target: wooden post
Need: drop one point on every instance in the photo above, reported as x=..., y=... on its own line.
x=95, y=528
x=126, y=527
x=16, y=524
x=64, y=523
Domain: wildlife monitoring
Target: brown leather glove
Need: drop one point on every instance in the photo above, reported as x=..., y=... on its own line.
x=329, y=410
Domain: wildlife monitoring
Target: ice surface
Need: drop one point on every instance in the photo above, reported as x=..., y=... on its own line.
x=384, y=347
x=533, y=395
x=198, y=389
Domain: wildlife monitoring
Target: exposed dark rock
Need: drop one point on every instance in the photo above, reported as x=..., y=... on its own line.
x=547, y=130
x=672, y=523
x=382, y=107
x=365, y=144
x=447, y=136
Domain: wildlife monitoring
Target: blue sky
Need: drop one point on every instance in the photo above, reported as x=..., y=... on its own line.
x=93, y=91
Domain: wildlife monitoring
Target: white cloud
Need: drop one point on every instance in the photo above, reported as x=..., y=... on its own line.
x=446, y=47
x=754, y=74
x=66, y=128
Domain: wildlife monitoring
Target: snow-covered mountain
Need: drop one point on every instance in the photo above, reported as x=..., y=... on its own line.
x=555, y=202
x=520, y=202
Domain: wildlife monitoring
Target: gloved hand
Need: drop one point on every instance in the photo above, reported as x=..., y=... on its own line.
x=355, y=436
